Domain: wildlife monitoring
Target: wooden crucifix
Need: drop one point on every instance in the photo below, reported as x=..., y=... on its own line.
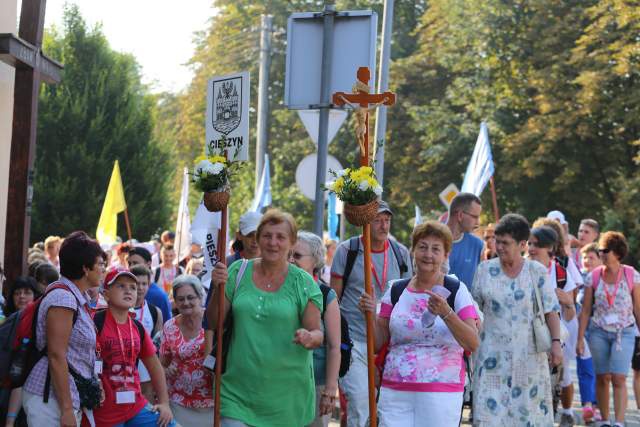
x=32, y=66
x=365, y=100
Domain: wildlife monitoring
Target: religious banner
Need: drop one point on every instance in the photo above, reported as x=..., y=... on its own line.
x=227, y=117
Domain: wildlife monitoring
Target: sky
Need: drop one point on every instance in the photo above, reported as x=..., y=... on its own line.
x=158, y=33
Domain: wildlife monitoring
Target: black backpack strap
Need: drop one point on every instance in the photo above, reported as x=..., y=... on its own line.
x=402, y=266
x=352, y=254
x=452, y=284
x=98, y=319
x=325, y=294
x=397, y=288
x=156, y=276
x=154, y=317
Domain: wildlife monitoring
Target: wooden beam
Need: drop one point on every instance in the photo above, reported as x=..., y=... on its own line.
x=20, y=54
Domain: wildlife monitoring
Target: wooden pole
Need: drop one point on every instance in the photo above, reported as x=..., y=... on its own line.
x=126, y=221
x=222, y=250
x=368, y=288
x=496, y=213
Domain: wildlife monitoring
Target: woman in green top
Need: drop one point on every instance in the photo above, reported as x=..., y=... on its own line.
x=308, y=254
x=276, y=321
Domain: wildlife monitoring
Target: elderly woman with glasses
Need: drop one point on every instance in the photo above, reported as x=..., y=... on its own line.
x=610, y=313
x=309, y=254
x=512, y=385
x=182, y=353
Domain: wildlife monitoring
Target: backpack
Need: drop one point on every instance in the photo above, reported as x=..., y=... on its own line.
x=17, y=328
x=561, y=275
x=352, y=254
x=99, y=318
x=156, y=275
x=345, y=341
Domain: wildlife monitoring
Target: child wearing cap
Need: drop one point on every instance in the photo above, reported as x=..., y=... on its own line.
x=121, y=342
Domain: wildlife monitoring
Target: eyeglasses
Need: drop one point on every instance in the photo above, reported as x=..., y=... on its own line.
x=188, y=298
x=298, y=256
x=604, y=250
x=471, y=215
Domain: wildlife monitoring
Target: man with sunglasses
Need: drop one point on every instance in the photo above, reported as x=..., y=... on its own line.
x=466, y=253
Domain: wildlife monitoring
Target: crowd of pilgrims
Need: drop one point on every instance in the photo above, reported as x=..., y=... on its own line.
x=457, y=321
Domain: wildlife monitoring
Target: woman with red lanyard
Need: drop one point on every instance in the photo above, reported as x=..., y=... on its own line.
x=610, y=313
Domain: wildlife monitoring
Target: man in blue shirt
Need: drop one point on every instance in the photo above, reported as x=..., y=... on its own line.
x=155, y=295
x=466, y=253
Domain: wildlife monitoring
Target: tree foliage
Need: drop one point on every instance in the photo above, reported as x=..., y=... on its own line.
x=556, y=81
x=99, y=113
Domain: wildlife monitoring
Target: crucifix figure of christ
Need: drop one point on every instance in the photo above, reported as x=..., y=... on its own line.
x=32, y=66
x=364, y=101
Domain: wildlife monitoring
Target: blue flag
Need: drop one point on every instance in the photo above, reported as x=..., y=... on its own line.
x=480, y=168
x=263, y=195
x=332, y=217
x=418, y=219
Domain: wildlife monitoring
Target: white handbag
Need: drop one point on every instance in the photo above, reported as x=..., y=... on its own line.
x=541, y=333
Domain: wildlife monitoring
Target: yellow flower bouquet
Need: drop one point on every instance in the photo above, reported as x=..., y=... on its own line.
x=359, y=190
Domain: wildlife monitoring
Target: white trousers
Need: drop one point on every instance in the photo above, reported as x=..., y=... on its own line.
x=356, y=386
x=414, y=408
x=43, y=414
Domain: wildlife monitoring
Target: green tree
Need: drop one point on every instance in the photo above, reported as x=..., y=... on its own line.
x=99, y=113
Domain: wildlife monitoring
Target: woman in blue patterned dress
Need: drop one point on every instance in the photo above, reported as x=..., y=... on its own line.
x=511, y=380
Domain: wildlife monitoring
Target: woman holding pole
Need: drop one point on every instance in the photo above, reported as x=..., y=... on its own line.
x=276, y=307
x=423, y=377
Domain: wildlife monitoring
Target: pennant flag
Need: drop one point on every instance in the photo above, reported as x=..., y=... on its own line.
x=114, y=203
x=418, y=220
x=480, y=168
x=332, y=217
x=183, y=226
x=263, y=194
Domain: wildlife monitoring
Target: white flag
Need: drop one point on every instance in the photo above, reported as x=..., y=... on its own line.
x=183, y=226
x=480, y=168
x=418, y=220
x=263, y=195
x=204, y=231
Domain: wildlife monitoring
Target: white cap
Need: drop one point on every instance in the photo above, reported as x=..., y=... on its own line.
x=249, y=222
x=558, y=216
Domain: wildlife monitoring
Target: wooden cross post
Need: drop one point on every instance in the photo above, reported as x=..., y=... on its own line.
x=364, y=100
x=31, y=66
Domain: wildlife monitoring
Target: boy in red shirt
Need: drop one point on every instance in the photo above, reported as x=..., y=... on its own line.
x=121, y=342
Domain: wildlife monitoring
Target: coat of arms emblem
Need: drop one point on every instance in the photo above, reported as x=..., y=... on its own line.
x=227, y=111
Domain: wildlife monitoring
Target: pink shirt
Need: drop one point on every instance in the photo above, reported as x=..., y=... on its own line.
x=421, y=358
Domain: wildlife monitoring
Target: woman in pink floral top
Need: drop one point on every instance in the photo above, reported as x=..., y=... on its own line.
x=182, y=353
x=610, y=313
x=424, y=371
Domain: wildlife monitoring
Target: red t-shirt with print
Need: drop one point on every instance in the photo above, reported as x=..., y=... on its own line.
x=120, y=372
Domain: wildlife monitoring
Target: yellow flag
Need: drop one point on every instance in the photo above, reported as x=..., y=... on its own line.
x=113, y=204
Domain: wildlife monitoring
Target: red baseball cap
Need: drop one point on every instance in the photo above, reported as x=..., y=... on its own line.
x=114, y=273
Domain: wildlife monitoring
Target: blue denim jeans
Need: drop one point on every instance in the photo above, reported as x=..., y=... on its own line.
x=145, y=418
x=607, y=358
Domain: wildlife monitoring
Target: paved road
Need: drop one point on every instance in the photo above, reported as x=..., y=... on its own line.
x=632, y=419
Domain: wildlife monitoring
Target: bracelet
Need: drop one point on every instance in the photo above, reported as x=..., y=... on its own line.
x=12, y=415
x=556, y=339
x=448, y=314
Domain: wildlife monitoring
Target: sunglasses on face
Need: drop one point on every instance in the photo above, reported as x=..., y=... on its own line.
x=298, y=256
